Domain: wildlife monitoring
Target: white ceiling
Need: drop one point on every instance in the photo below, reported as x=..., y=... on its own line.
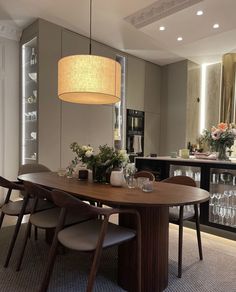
x=201, y=43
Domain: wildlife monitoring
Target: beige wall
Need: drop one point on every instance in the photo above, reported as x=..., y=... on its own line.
x=193, y=102
x=213, y=92
x=9, y=107
x=173, y=107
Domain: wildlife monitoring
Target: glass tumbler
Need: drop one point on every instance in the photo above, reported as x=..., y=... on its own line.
x=131, y=182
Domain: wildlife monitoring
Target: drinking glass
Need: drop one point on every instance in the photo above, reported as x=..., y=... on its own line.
x=147, y=186
x=131, y=182
x=61, y=171
x=226, y=177
x=140, y=181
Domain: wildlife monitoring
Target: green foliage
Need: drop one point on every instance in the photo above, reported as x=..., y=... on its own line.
x=107, y=156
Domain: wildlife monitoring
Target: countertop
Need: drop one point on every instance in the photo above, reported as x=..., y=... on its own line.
x=191, y=159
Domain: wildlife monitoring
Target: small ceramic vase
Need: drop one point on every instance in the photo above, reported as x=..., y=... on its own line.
x=117, y=178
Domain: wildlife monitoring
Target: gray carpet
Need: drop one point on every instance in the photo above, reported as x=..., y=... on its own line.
x=217, y=273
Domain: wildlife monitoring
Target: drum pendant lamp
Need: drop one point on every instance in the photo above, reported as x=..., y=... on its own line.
x=89, y=79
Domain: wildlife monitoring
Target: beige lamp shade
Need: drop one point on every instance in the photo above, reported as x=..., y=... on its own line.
x=89, y=79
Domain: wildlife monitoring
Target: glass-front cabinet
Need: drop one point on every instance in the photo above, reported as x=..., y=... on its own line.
x=217, y=177
x=222, y=204
x=29, y=102
x=191, y=171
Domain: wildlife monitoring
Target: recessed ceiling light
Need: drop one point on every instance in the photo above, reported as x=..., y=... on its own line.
x=216, y=25
x=162, y=28
x=199, y=12
x=179, y=39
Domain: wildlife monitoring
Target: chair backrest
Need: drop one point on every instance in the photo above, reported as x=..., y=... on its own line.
x=67, y=201
x=37, y=191
x=10, y=185
x=32, y=168
x=180, y=180
x=146, y=174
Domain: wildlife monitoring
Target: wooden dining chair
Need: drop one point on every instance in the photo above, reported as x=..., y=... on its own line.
x=17, y=208
x=90, y=236
x=32, y=168
x=144, y=174
x=178, y=214
x=47, y=219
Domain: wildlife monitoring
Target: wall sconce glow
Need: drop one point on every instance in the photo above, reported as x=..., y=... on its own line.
x=179, y=39
x=202, y=120
x=162, y=28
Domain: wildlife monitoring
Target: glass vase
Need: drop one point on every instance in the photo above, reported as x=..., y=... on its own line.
x=221, y=149
x=131, y=182
x=100, y=174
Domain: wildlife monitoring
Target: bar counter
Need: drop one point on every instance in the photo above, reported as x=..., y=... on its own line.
x=216, y=176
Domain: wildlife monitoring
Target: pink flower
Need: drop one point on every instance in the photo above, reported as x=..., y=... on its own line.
x=222, y=126
x=216, y=134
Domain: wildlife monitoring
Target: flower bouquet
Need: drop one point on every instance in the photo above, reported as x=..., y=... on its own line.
x=101, y=163
x=219, y=138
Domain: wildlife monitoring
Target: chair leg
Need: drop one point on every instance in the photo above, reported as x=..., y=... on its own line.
x=1, y=219
x=97, y=256
x=139, y=256
x=198, y=232
x=16, y=231
x=180, y=252
x=28, y=228
x=35, y=233
x=50, y=264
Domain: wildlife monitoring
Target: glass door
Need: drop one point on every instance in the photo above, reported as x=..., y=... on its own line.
x=191, y=171
x=222, y=205
x=29, y=102
x=120, y=109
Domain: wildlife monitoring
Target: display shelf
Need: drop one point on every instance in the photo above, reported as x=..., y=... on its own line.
x=29, y=102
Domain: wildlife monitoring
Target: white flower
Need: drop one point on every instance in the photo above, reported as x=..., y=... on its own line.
x=88, y=153
x=123, y=152
x=84, y=148
x=89, y=148
x=233, y=131
x=130, y=169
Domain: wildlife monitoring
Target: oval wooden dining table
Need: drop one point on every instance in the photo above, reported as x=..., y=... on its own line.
x=154, y=211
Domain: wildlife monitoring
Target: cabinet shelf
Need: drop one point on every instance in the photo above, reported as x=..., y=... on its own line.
x=31, y=121
x=29, y=117
x=30, y=158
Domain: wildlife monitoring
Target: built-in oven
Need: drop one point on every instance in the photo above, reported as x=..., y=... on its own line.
x=135, y=133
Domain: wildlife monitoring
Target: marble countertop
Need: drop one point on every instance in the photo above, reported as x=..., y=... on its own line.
x=191, y=159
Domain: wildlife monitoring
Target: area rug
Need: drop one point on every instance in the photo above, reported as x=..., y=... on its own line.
x=217, y=273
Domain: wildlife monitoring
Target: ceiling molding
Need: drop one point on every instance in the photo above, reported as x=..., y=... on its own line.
x=157, y=11
x=9, y=31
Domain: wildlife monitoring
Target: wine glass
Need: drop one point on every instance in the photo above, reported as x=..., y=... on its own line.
x=226, y=177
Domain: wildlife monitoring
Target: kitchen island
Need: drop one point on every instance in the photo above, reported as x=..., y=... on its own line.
x=216, y=176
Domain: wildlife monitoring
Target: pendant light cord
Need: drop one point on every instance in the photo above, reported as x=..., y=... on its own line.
x=90, y=28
